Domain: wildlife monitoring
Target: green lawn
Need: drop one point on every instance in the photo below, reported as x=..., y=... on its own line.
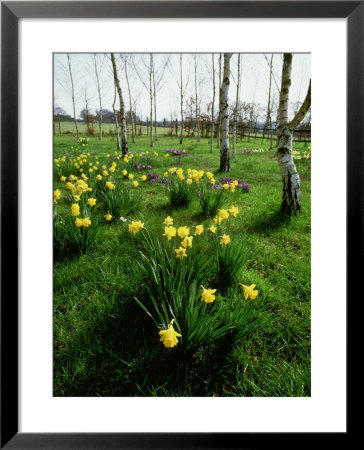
x=105, y=344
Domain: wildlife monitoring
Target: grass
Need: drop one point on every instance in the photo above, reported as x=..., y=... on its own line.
x=105, y=345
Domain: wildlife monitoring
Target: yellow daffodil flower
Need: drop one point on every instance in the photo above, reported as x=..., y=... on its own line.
x=169, y=232
x=208, y=295
x=108, y=217
x=135, y=227
x=183, y=232
x=56, y=195
x=168, y=221
x=249, y=291
x=78, y=222
x=144, y=177
x=86, y=222
x=181, y=252
x=225, y=239
x=135, y=183
x=212, y=229
x=187, y=241
x=223, y=214
x=169, y=337
x=91, y=201
x=63, y=179
x=75, y=209
x=199, y=229
x=130, y=176
x=234, y=211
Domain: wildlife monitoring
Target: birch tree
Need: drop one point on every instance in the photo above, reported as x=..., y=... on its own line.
x=151, y=98
x=118, y=146
x=219, y=116
x=237, y=100
x=73, y=94
x=124, y=136
x=213, y=104
x=291, y=196
x=97, y=75
x=181, y=99
x=130, y=103
x=224, y=116
x=198, y=131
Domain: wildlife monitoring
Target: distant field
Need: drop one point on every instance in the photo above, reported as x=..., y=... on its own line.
x=69, y=127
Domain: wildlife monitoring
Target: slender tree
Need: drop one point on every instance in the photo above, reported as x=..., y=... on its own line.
x=97, y=74
x=130, y=103
x=224, y=115
x=73, y=94
x=213, y=104
x=218, y=136
x=198, y=131
x=118, y=146
x=155, y=103
x=181, y=99
x=124, y=136
x=291, y=196
x=151, y=98
x=237, y=100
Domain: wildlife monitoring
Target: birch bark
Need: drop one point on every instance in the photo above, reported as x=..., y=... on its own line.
x=181, y=98
x=130, y=104
x=224, y=114
x=213, y=104
x=236, y=107
x=151, y=99
x=124, y=136
x=291, y=195
x=73, y=95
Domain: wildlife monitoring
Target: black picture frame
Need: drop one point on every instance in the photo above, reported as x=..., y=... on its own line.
x=11, y=12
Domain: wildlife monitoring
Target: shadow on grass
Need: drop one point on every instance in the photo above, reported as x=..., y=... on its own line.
x=270, y=221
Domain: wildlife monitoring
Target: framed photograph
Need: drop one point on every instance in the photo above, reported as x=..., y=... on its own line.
x=167, y=278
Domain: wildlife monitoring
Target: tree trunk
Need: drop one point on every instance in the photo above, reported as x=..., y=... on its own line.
x=236, y=108
x=124, y=136
x=224, y=114
x=99, y=92
x=118, y=146
x=218, y=134
x=155, y=105
x=59, y=124
x=181, y=93
x=291, y=196
x=130, y=105
x=213, y=104
x=73, y=95
x=198, y=131
x=151, y=100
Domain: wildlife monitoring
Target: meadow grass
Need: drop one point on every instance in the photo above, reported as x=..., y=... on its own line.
x=105, y=345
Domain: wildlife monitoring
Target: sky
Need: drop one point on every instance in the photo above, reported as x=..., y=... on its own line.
x=254, y=80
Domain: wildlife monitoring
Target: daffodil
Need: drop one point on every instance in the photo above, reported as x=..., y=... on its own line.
x=108, y=217
x=187, y=241
x=99, y=177
x=168, y=220
x=130, y=176
x=170, y=232
x=124, y=172
x=234, y=211
x=78, y=222
x=135, y=183
x=75, y=209
x=181, y=252
x=199, y=229
x=144, y=177
x=225, y=239
x=212, y=229
x=183, y=232
x=86, y=222
x=208, y=295
x=249, y=291
x=223, y=214
x=56, y=195
x=63, y=179
x=91, y=201
x=189, y=181
x=135, y=227
x=169, y=337
x=226, y=186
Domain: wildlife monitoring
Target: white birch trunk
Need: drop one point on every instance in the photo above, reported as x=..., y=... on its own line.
x=291, y=196
x=224, y=114
x=218, y=137
x=151, y=100
x=181, y=95
x=130, y=104
x=236, y=107
x=155, y=105
x=124, y=135
x=118, y=146
x=99, y=92
x=73, y=95
x=213, y=105
x=197, y=106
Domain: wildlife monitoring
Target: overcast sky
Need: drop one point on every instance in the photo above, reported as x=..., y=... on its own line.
x=254, y=83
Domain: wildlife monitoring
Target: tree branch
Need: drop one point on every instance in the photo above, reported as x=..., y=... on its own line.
x=302, y=111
